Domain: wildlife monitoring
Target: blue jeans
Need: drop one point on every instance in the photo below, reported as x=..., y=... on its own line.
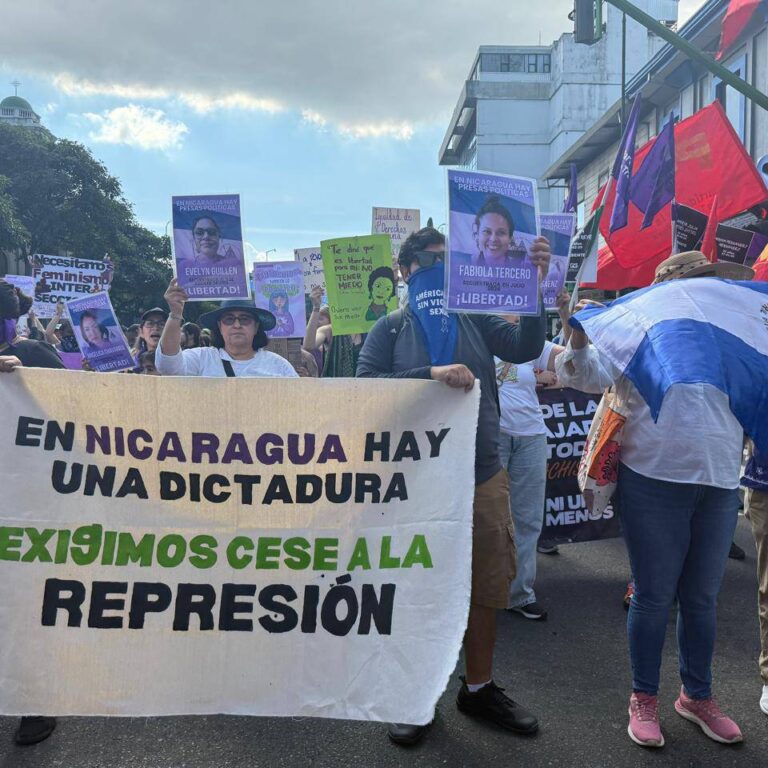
x=525, y=458
x=678, y=536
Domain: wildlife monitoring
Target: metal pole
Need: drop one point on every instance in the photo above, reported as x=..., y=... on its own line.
x=757, y=96
x=623, y=70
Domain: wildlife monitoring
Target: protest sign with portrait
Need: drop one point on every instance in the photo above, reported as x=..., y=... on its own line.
x=98, y=333
x=209, y=258
x=558, y=228
x=493, y=221
x=359, y=280
x=279, y=288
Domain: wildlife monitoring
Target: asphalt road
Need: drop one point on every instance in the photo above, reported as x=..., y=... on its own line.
x=572, y=671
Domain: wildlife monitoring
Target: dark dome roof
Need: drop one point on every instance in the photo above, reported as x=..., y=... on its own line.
x=15, y=102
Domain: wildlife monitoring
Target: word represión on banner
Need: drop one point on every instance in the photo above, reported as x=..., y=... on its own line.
x=226, y=533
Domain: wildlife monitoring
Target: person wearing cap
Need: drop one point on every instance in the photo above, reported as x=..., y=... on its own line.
x=150, y=331
x=677, y=496
x=238, y=329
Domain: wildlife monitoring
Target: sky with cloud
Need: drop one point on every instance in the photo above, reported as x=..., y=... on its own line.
x=312, y=111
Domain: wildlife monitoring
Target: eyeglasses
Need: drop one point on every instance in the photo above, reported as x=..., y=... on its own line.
x=210, y=231
x=243, y=320
x=428, y=258
x=154, y=323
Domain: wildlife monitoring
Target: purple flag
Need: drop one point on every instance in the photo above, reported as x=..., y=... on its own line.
x=653, y=186
x=622, y=170
x=572, y=200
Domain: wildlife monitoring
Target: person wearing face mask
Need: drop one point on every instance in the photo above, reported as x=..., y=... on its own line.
x=456, y=349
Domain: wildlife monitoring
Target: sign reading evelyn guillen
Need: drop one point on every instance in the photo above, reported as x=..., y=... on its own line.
x=204, y=559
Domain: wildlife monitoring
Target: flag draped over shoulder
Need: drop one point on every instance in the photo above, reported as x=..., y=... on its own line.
x=694, y=331
x=738, y=15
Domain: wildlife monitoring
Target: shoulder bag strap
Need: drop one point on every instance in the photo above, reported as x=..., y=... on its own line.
x=228, y=369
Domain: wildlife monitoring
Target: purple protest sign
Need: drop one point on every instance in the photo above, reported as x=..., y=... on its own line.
x=279, y=287
x=493, y=222
x=558, y=229
x=98, y=333
x=208, y=247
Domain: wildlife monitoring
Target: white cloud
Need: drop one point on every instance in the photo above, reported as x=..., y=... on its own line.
x=137, y=126
x=367, y=69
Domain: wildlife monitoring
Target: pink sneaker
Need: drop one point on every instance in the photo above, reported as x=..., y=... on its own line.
x=644, y=728
x=707, y=715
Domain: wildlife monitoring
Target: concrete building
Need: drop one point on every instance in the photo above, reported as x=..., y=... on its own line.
x=522, y=107
x=672, y=84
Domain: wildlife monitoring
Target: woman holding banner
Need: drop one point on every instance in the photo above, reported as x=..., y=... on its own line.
x=15, y=353
x=239, y=336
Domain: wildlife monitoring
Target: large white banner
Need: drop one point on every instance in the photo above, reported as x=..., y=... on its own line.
x=196, y=546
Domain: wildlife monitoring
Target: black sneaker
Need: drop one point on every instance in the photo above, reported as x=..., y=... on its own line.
x=490, y=703
x=531, y=611
x=33, y=730
x=736, y=552
x=405, y=734
x=547, y=548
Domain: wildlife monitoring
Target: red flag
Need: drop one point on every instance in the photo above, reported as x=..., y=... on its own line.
x=738, y=15
x=710, y=160
x=708, y=243
x=611, y=276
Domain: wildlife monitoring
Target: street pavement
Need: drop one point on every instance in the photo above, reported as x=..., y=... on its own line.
x=572, y=671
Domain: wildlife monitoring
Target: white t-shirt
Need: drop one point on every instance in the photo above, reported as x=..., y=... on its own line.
x=520, y=410
x=206, y=361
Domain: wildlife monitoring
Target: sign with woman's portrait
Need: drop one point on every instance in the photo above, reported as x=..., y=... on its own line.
x=279, y=288
x=208, y=247
x=492, y=224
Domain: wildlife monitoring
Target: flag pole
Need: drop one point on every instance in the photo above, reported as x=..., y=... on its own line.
x=725, y=74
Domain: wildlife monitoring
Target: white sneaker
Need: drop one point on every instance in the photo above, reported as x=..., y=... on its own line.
x=764, y=700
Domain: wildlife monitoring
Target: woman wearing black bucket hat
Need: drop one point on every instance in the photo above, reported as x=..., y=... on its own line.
x=239, y=337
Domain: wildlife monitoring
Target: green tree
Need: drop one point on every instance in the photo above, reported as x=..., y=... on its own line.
x=59, y=198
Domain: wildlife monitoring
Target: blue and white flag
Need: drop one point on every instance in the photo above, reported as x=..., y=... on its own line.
x=693, y=331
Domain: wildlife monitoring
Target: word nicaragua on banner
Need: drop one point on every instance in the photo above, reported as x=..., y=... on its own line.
x=207, y=448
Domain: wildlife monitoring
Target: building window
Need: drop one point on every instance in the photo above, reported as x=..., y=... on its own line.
x=734, y=103
x=468, y=158
x=515, y=62
x=663, y=115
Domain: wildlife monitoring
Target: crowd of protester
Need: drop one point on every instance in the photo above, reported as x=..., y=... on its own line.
x=678, y=499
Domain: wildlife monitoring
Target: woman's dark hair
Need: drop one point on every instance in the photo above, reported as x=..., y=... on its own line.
x=208, y=216
x=279, y=292
x=386, y=272
x=193, y=333
x=493, y=204
x=11, y=300
x=419, y=241
x=259, y=340
x=102, y=328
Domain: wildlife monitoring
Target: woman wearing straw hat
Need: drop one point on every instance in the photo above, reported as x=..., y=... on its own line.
x=677, y=495
x=238, y=330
